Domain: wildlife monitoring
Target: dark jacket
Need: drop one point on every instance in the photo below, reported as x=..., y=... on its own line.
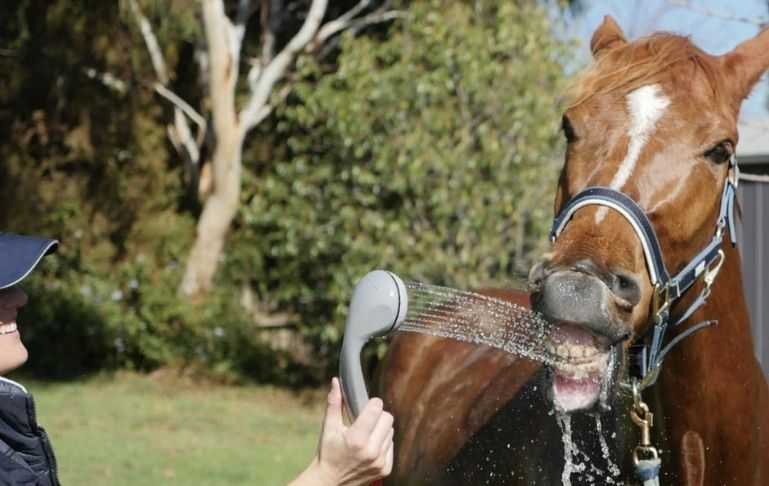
x=26, y=456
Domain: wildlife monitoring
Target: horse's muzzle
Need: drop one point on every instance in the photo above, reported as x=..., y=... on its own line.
x=581, y=297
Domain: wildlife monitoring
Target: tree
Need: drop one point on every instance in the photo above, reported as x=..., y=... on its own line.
x=223, y=51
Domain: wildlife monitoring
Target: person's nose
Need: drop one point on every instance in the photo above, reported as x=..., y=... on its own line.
x=13, y=298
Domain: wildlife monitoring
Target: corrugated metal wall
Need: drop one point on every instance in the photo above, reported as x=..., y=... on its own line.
x=754, y=248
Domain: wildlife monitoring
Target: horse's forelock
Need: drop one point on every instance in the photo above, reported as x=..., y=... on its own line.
x=627, y=67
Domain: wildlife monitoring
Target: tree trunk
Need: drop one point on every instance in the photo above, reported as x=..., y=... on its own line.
x=223, y=41
x=218, y=213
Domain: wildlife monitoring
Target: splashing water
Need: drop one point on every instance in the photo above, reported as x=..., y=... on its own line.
x=613, y=468
x=479, y=319
x=579, y=462
x=570, y=450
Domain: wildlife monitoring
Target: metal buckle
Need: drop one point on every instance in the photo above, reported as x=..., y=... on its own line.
x=720, y=227
x=660, y=300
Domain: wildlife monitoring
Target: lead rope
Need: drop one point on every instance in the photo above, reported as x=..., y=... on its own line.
x=645, y=456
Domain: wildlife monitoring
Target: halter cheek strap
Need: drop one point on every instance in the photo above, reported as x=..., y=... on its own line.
x=705, y=264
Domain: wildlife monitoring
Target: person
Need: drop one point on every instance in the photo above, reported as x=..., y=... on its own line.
x=354, y=455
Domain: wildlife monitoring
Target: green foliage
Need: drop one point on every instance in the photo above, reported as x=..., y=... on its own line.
x=78, y=322
x=431, y=153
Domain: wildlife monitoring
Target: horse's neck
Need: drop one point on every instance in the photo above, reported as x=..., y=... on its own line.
x=730, y=339
x=709, y=382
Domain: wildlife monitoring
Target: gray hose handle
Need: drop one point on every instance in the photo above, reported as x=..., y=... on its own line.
x=378, y=306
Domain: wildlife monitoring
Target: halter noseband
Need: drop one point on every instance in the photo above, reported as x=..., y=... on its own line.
x=649, y=352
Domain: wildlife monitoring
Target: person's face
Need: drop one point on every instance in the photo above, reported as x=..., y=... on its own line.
x=12, y=351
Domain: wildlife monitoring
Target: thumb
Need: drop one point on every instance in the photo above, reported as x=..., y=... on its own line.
x=333, y=418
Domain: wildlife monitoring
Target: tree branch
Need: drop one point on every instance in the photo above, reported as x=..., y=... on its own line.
x=328, y=31
x=276, y=69
x=181, y=104
x=180, y=134
x=375, y=18
x=156, y=55
x=341, y=23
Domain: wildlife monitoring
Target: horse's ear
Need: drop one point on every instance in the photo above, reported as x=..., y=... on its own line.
x=606, y=36
x=746, y=63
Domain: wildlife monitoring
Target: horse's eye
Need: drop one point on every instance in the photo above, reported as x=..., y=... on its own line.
x=720, y=153
x=568, y=129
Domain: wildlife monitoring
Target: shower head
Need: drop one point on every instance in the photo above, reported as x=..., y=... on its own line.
x=378, y=306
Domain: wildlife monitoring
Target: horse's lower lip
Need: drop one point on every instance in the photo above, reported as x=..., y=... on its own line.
x=581, y=367
x=570, y=394
x=578, y=389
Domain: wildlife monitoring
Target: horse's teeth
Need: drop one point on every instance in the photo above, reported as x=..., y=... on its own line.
x=8, y=328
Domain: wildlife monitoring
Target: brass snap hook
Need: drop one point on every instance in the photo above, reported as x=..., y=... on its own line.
x=712, y=271
x=644, y=419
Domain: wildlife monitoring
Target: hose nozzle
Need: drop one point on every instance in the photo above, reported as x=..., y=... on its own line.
x=378, y=306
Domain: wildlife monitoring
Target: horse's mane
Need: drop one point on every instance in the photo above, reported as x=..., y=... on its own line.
x=632, y=65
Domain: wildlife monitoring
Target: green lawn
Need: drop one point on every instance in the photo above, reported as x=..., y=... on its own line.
x=139, y=430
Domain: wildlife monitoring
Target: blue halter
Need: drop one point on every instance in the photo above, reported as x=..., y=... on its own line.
x=649, y=353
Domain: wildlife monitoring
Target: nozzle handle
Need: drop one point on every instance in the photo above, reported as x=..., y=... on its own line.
x=351, y=375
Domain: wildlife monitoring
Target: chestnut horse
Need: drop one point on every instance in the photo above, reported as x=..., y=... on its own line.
x=653, y=124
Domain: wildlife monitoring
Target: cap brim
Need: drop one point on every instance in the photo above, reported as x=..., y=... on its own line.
x=19, y=255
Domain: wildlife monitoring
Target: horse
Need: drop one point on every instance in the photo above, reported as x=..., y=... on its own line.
x=646, y=187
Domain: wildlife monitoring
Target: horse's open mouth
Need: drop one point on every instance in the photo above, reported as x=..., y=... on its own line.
x=582, y=371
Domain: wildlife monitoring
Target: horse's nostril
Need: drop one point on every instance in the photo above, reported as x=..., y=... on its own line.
x=626, y=287
x=536, y=276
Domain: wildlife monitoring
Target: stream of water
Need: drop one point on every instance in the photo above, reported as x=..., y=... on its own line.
x=478, y=319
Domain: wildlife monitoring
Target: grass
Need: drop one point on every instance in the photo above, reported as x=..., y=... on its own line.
x=131, y=429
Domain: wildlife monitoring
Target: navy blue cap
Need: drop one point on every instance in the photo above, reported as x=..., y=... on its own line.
x=19, y=255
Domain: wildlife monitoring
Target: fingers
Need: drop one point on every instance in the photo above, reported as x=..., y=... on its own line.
x=382, y=431
x=366, y=422
x=389, y=458
x=371, y=437
x=383, y=464
x=387, y=443
x=333, y=417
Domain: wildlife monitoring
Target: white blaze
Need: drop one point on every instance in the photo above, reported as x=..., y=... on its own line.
x=646, y=106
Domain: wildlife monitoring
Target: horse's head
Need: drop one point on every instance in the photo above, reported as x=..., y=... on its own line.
x=654, y=119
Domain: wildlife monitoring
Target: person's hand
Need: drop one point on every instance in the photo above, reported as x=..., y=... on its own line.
x=354, y=455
